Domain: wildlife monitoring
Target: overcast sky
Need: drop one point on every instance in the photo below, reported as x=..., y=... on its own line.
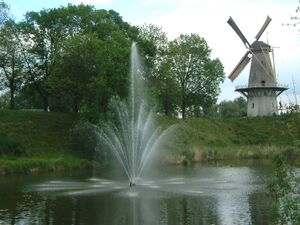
x=209, y=18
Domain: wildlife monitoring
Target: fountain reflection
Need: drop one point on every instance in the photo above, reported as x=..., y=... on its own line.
x=206, y=195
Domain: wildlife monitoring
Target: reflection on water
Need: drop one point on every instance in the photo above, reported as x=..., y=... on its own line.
x=205, y=195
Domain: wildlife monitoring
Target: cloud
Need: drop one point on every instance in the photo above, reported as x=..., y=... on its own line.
x=92, y=2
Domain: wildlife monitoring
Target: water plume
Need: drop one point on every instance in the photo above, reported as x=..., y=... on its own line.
x=134, y=137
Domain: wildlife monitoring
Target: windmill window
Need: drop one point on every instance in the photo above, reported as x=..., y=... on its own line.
x=252, y=105
x=263, y=83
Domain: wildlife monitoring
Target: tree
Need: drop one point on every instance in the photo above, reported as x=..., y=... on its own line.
x=4, y=12
x=41, y=32
x=76, y=67
x=197, y=75
x=162, y=84
x=47, y=31
x=88, y=71
x=11, y=62
x=237, y=107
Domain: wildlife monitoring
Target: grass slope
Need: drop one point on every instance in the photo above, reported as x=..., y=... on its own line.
x=234, y=138
x=34, y=141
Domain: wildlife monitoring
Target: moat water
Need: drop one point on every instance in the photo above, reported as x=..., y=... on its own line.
x=167, y=195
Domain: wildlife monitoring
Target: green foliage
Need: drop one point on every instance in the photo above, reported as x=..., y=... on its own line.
x=75, y=70
x=285, y=190
x=196, y=74
x=10, y=147
x=84, y=140
x=76, y=56
x=163, y=88
x=11, y=60
x=4, y=12
x=235, y=108
x=4, y=100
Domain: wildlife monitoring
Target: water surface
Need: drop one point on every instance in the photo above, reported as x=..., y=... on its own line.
x=168, y=195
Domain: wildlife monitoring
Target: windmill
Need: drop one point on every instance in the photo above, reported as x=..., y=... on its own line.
x=262, y=89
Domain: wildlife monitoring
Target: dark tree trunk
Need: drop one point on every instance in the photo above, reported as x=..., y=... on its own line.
x=183, y=108
x=45, y=103
x=167, y=111
x=12, y=99
x=76, y=106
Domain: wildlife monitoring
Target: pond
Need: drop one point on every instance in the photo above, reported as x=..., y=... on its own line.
x=167, y=195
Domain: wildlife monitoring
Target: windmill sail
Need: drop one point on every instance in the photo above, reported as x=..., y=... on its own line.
x=262, y=29
x=240, y=66
x=238, y=31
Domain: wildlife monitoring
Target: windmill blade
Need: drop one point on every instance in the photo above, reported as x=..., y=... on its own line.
x=240, y=66
x=238, y=31
x=262, y=29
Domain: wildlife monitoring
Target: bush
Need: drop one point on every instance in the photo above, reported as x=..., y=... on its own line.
x=86, y=143
x=188, y=156
x=9, y=147
x=286, y=192
x=84, y=140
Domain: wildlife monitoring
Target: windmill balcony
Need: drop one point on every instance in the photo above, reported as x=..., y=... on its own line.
x=262, y=85
x=261, y=89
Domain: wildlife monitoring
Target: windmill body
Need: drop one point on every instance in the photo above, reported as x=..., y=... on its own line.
x=262, y=89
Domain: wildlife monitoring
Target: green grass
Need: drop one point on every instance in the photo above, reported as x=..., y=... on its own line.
x=42, y=141
x=38, y=132
x=233, y=138
x=34, y=164
x=39, y=141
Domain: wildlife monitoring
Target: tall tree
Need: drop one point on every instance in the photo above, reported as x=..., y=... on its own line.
x=163, y=85
x=4, y=12
x=76, y=67
x=45, y=31
x=11, y=62
x=197, y=75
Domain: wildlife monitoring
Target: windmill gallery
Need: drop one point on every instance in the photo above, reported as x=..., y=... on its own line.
x=262, y=89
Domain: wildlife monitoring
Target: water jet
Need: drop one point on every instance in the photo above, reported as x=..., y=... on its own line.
x=134, y=137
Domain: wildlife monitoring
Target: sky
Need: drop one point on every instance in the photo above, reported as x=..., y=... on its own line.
x=208, y=18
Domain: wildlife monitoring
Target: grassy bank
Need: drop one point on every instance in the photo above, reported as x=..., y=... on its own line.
x=37, y=141
x=233, y=138
x=31, y=142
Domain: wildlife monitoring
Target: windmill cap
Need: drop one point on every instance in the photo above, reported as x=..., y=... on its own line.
x=260, y=45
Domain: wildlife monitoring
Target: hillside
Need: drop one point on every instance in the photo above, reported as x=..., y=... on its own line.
x=207, y=139
x=33, y=141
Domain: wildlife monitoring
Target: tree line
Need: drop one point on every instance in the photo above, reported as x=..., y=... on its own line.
x=76, y=58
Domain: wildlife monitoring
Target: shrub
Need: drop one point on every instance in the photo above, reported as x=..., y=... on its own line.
x=10, y=147
x=84, y=140
x=286, y=192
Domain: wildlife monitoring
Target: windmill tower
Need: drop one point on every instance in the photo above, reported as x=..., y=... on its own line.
x=262, y=89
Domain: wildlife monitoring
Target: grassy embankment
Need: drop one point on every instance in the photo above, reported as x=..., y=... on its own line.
x=38, y=141
x=219, y=139
x=31, y=142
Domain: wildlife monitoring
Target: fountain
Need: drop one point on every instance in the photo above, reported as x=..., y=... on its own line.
x=135, y=137
x=177, y=195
